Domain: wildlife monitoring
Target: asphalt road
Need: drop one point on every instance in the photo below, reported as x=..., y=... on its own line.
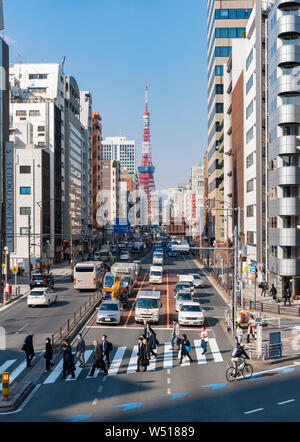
x=167, y=392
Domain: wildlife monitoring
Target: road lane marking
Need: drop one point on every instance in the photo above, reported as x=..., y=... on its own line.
x=168, y=303
x=215, y=350
x=132, y=367
x=21, y=329
x=6, y=364
x=152, y=364
x=286, y=402
x=253, y=411
x=133, y=303
x=168, y=356
x=16, y=372
x=199, y=352
x=115, y=365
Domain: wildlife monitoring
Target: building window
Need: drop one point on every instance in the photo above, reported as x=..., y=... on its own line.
x=249, y=135
x=232, y=13
x=250, y=185
x=219, y=70
x=249, y=109
x=25, y=190
x=250, y=160
x=25, y=210
x=223, y=51
x=38, y=76
x=41, y=129
x=249, y=84
x=219, y=108
x=41, y=90
x=250, y=211
x=21, y=113
x=24, y=231
x=34, y=113
x=273, y=222
x=25, y=169
x=289, y=160
x=290, y=192
x=249, y=60
x=229, y=32
x=273, y=251
x=250, y=238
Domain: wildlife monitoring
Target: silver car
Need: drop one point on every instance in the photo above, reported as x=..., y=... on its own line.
x=109, y=312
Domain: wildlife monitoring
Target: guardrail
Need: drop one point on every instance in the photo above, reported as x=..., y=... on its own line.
x=76, y=320
x=268, y=307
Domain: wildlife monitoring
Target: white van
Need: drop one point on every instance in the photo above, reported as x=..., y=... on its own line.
x=156, y=275
x=88, y=275
x=147, y=306
x=187, y=278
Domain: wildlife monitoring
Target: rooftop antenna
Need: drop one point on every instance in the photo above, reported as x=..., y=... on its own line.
x=63, y=61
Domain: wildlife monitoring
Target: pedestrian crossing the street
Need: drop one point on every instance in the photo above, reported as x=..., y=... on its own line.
x=123, y=361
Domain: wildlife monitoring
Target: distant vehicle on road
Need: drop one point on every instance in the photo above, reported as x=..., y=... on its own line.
x=183, y=247
x=182, y=296
x=41, y=280
x=156, y=275
x=184, y=285
x=190, y=313
x=124, y=256
x=41, y=296
x=198, y=281
x=88, y=275
x=109, y=312
x=148, y=305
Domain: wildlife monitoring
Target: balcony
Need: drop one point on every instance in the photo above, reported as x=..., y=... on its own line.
x=287, y=84
x=284, y=237
x=284, y=206
x=284, y=267
x=284, y=176
x=288, y=25
x=288, y=55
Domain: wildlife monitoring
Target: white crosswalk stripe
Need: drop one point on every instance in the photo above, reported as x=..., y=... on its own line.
x=116, y=362
x=79, y=369
x=199, y=352
x=215, y=350
x=166, y=359
x=168, y=356
x=133, y=360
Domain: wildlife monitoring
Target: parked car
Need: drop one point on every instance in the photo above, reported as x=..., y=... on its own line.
x=190, y=313
x=109, y=312
x=41, y=296
x=41, y=280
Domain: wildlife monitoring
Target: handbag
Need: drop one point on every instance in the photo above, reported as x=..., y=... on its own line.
x=188, y=348
x=145, y=362
x=24, y=347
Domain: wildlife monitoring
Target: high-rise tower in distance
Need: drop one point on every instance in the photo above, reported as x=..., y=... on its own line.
x=146, y=170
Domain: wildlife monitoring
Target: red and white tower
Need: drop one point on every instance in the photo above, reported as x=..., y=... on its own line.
x=146, y=170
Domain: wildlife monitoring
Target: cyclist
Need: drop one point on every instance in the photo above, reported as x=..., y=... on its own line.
x=238, y=357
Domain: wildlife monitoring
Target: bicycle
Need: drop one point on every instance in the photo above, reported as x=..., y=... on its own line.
x=234, y=372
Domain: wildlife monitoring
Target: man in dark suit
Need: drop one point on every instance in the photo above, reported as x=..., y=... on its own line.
x=98, y=360
x=141, y=353
x=104, y=349
x=151, y=344
x=29, y=350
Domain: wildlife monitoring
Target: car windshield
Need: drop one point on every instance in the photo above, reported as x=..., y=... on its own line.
x=109, y=281
x=190, y=308
x=182, y=285
x=158, y=255
x=146, y=303
x=84, y=269
x=155, y=273
x=37, y=293
x=197, y=277
x=38, y=277
x=109, y=308
x=184, y=297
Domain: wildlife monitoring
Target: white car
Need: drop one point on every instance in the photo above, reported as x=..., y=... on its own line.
x=198, y=282
x=184, y=295
x=41, y=296
x=190, y=313
x=109, y=312
x=124, y=256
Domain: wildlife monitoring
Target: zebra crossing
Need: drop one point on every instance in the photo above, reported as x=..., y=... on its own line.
x=124, y=361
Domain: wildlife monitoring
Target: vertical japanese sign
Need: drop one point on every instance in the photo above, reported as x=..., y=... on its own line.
x=9, y=196
x=194, y=205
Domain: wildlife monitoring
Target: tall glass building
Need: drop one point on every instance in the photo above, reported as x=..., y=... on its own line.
x=226, y=19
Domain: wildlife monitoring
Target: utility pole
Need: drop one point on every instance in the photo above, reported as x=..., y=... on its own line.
x=236, y=268
x=71, y=242
x=29, y=260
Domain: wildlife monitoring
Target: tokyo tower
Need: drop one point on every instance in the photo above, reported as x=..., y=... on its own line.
x=146, y=170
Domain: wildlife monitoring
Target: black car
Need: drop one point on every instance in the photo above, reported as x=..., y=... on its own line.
x=41, y=280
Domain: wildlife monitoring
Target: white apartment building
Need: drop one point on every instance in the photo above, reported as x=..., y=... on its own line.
x=197, y=200
x=37, y=113
x=122, y=150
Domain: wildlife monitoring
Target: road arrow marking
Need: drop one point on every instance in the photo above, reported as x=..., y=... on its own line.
x=129, y=406
x=214, y=386
x=177, y=395
x=78, y=417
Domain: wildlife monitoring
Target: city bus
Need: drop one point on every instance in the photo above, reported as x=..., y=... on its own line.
x=88, y=275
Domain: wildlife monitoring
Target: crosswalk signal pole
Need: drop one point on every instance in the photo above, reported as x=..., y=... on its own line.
x=236, y=264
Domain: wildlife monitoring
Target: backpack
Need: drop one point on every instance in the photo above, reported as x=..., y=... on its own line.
x=109, y=346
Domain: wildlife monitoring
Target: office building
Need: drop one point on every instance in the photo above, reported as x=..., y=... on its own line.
x=122, y=150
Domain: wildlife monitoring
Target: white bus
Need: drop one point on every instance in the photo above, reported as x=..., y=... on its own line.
x=88, y=275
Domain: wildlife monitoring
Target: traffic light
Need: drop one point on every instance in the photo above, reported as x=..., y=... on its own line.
x=238, y=285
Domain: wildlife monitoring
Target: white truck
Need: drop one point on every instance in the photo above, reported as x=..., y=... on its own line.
x=147, y=306
x=156, y=274
x=125, y=268
x=183, y=247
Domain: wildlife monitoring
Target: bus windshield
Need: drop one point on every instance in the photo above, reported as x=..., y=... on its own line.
x=84, y=269
x=156, y=273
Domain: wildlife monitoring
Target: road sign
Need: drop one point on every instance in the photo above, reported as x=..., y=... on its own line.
x=254, y=264
x=245, y=250
x=252, y=270
x=14, y=270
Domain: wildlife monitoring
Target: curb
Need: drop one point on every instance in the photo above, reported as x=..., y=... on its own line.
x=17, y=397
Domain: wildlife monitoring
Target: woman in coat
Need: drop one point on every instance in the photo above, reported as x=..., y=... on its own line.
x=185, y=348
x=48, y=354
x=68, y=360
x=151, y=344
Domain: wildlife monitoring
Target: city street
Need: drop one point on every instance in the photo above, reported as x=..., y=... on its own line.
x=195, y=391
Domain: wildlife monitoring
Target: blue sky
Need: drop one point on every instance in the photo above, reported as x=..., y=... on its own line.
x=112, y=47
